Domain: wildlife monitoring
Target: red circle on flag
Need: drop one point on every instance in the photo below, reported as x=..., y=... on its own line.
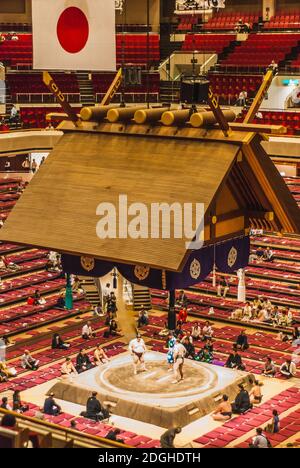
x=73, y=30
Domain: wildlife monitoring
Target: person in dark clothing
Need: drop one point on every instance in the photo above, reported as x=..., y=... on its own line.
x=83, y=361
x=94, y=409
x=167, y=439
x=57, y=342
x=17, y=403
x=190, y=348
x=242, y=401
x=234, y=361
x=179, y=333
x=61, y=303
x=51, y=407
x=242, y=341
x=113, y=328
x=112, y=435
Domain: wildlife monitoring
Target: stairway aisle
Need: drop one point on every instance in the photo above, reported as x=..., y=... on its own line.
x=87, y=97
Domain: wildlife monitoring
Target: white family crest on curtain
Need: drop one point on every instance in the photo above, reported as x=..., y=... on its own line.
x=187, y=6
x=74, y=35
x=119, y=5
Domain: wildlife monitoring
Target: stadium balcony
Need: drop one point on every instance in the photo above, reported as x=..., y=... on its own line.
x=284, y=21
x=224, y=21
x=207, y=42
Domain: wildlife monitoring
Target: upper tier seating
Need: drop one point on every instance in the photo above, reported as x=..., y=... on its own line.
x=186, y=22
x=19, y=52
x=207, y=42
x=29, y=87
x=260, y=49
x=15, y=27
x=35, y=117
x=227, y=21
x=284, y=20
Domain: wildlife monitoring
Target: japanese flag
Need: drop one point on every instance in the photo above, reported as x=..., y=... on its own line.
x=74, y=35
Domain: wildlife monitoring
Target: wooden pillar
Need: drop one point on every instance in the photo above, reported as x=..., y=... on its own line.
x=172, y=313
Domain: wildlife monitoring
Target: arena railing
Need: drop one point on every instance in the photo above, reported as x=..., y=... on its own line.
x=62, y=435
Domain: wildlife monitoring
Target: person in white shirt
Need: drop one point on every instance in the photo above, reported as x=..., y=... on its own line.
x=288, y=369
x=187, y=336
x=87, y=331
x=207, y=331
x=260, y=440
x=179, y=353
x=196, y=331
x=28, y=362
x=105, y=295
x=242, y=98
x=138, y=349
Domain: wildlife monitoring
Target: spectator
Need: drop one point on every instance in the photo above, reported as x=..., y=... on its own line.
x=143, y=318
x=242, y=341
x=190, y=349
x=112, y=303
x=269, y=368
x=179, y=333
x=7, y=371
x=58, y=343
x=196, y=331
x=242, y=401
x=61, y=303
x=288, y=368
x=94, y=409
x=68, y=369
x=207, y=331
x=100, y=357
x=223, y=412
x=112, y=435
x=51, y=407
x=242, y=100
x=28, y=362
x=260, y=440
x=5, y=405
x=182, y=300
x=98, y=311
x=234, y=361
x=274, y=427
x=17, y=403
x=113, y=328
x=83, y=361
x=168, y=437
x=87, y=331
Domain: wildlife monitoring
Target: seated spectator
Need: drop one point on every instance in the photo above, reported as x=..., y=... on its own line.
x=113, y=328
x=268, y=255
x=234, y=361
x=51, y=407
x=288, y=369
x=188, y=335
x=7, y=371
x=14, y=37
x=143, y=318
x=247, y=312
x=17, y=403
x=260, y=440
x=83, y=361
x=108, y=318
x=5, y=405
x=196, y=331
x=269, y=368
x=274, y=426
x=58, y=343
x=242, y=99
x=255, y=393
x=179, y=333
x=94, y=409
x=274, y=67
x=68, y=369
x=168, y=437
x=190, y=349
x=207, y=331
x=112, y=435
x=205, y=354
x=77, y=286
x=61, y=303
x=182, y=316
x=28, y=362
x=224, y=411
x=100, y=357
x=242, y=341
x=182, y=300
x=242, y=401
x=223, y=287
x=259, y=254
x=98, y=311
x=87, y=331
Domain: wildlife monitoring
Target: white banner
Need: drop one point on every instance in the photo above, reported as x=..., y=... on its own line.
x=74, y=35
x=197, y=5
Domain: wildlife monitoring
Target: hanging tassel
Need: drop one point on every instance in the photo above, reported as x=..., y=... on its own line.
x=115, y=278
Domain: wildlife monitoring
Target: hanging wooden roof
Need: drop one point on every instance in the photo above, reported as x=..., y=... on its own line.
x=233, y=177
